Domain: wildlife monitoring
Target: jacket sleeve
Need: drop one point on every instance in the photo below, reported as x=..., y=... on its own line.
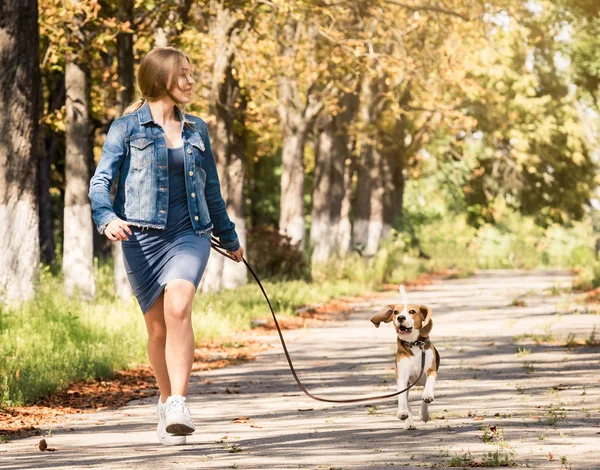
x=224, y=228
x=113, y=153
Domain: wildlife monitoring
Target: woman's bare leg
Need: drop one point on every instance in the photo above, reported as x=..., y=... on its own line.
x=157, y=337
x=179, y=349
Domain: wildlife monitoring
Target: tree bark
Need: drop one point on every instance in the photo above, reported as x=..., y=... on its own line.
x=297, y=114
x=322, y=197
x=363, y=167
x=376, y=196
x=228, y=105
x=47, y=149
x=124, y=97
x=19, y=107
x=78, y=253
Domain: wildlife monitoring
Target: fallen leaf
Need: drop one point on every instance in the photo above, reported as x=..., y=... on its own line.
x=469, y=414
x=478, y=418
x=550, y=456
x=305, y=409
x=43, y=445
x=493, y=428
x=241, y=420
x=255, y=426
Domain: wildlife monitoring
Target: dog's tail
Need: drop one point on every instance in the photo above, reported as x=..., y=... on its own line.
x=403, y=294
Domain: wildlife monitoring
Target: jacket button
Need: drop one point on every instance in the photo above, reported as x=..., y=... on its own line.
x=196, y=218
x=189, y=151
x=193, y=194
x=191, y=173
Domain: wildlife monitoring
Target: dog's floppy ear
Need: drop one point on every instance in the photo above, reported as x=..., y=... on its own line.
x=427, y=323
x=384, y=315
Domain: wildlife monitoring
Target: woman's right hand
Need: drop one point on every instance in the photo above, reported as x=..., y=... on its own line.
x=115, y=230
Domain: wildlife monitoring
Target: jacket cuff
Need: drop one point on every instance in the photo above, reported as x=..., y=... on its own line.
x=231, y=245
x=102, y=225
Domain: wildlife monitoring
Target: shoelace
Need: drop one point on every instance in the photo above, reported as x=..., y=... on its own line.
x=177, y=405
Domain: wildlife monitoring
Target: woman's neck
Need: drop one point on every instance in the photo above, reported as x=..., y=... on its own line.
x=162, y=111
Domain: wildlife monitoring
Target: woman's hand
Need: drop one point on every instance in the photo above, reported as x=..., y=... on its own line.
x=237, y=255
x=115, y=230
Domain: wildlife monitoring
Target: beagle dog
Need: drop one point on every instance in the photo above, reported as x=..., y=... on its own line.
x=413, y=324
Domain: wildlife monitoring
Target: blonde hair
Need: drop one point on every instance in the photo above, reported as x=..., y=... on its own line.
x=155, y=77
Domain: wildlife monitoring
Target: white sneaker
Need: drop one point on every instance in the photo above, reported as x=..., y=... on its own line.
x=178, y=416
x=163, y=436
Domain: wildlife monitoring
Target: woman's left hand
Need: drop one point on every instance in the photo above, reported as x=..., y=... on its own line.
x=237, y=255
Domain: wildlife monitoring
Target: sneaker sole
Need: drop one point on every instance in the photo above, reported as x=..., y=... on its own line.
x=178, y=429
x=173, y=441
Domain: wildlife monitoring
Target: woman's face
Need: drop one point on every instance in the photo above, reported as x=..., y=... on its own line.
x=183, y=83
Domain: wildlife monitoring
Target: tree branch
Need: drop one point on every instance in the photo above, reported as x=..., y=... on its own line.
x=428, y=8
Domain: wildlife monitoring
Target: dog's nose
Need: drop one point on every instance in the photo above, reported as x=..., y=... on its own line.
x=402, y=318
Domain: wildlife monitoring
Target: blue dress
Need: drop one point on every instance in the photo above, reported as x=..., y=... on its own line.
x=154, y=257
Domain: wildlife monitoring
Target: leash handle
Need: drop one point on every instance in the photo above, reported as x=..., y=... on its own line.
x=217, y=246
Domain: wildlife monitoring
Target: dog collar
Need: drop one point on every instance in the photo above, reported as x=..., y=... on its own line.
x=419, y=342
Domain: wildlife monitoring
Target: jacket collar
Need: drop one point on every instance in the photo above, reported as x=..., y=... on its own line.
x=145, y=115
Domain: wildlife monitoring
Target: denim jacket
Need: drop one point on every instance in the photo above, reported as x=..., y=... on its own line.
x=136, y=146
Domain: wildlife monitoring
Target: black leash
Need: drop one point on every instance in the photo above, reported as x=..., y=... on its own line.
x=216, y=245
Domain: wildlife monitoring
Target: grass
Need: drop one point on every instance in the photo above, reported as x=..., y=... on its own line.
x=51, y=340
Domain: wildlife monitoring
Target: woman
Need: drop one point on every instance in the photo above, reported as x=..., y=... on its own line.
x=167, y=203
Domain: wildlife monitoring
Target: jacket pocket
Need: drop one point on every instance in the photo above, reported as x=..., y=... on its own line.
x=142, y=152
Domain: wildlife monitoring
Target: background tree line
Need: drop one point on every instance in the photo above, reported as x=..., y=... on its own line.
x=320, y=113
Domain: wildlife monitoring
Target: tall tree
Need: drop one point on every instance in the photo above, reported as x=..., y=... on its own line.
x=19, y=107
x=78, y=254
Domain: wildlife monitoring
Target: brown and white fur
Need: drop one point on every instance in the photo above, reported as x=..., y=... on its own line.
x=412, y=323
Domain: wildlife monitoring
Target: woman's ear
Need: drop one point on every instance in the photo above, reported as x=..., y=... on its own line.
x=384, y=315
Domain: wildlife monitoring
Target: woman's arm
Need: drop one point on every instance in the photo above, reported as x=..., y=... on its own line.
x=113, y=153
x=224, y=228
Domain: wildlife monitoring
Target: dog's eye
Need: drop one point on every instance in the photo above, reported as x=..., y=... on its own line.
x=412, y=312
x=396, y=312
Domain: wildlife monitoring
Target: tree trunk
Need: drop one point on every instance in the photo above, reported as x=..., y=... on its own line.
x=344, y=232
x=46, y=149
x=228, y=105
x=341, y=177
x=297, y=112
x=376, y=184
x=322, y=198
x=78, y=253
x=124, y=98
x=19, y=105
x=364, y=165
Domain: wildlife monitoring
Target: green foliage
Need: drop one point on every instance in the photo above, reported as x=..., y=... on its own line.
x=50, y=340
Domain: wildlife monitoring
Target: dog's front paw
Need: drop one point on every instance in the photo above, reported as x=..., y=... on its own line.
x=427, y=397
x=403, y=415
x=409, y=426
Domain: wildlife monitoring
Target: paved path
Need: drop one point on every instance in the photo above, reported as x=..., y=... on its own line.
x=491, y=400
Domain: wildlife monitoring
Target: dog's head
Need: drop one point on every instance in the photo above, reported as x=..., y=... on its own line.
x=410, y=321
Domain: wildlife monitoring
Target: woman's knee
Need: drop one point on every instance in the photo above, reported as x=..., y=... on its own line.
x=178, y=300
x=178, y=310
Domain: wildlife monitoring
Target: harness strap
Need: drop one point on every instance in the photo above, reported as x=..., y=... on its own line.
x=216, y=245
